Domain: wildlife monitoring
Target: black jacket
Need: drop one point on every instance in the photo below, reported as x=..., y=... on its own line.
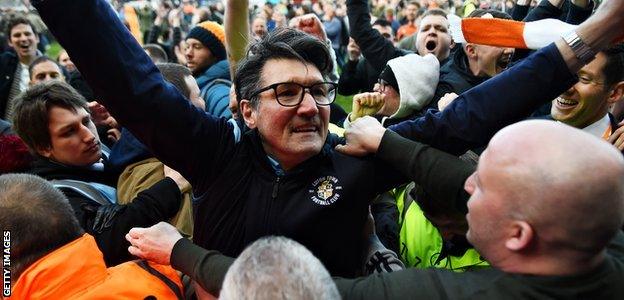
x=456, y=77
x=375, y=48
x=568, y=13
x=357, y=77
x=158, y=203
x=8, y=65
x=445, y=175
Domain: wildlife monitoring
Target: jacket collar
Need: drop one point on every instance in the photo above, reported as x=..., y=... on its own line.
x=254, y=138
x=64, y=272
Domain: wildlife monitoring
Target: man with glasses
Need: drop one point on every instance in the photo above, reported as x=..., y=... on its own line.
x=272, y=172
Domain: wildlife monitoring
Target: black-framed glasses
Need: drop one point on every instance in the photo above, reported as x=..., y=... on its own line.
x=291, y=94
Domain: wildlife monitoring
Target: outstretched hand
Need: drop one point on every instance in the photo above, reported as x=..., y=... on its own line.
x=310, y=24
x=363, y=137
x=154, y=243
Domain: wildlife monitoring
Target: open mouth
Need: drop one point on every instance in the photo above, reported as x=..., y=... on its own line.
x=503, y=64
x=431, y=45
x=565, y=103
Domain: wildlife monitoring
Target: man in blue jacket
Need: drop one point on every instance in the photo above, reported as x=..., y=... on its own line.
x=206, y=57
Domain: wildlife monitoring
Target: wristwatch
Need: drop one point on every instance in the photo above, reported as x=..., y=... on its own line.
x=581, y=50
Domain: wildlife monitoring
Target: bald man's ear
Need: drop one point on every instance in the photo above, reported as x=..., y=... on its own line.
x=470, y=50
x=617, y=93
x=248, y=113
x=521, y=236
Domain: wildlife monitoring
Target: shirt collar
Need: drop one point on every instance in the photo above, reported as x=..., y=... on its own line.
x=599, y=127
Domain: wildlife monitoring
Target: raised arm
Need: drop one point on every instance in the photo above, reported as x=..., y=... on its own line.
x=133, y=90
x=236, y=27
x=375, y=48
x=476, y=115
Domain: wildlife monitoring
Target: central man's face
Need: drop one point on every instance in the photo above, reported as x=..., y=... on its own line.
x=290, y=134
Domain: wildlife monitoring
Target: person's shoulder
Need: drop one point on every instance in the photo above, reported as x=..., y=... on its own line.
x=7, y=58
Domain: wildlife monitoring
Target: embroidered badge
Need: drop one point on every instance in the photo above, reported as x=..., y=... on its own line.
x=325, y=190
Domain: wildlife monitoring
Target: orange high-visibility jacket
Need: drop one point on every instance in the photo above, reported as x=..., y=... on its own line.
x=77, y=271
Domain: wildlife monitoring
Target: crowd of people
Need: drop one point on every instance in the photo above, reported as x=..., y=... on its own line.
x=195, y=149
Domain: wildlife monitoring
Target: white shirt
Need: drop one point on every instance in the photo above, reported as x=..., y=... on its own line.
x=599, y=127
x=24, y=78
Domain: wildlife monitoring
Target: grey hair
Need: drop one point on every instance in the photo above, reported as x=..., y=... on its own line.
x=278, y=268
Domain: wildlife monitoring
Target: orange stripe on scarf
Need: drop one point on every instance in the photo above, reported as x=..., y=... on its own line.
x=498, y=32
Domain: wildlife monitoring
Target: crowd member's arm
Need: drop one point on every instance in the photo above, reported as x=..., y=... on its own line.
x=158, y=203
x=163, y=244
x=236, y=27
x=352, y=77
x=472, y=119
x=475, y=116
x=520, y=10
x=440, y=174
x=375, y=48
x=546, y=9
x=155, y=30
x=579, y=11
x=134, y=91
x=176, y=52
x=312, y=25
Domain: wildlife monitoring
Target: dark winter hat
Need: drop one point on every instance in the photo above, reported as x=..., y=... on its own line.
x=387, y=75
x=212, y=35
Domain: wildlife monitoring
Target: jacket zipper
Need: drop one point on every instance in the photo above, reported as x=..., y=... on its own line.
x=275, y=188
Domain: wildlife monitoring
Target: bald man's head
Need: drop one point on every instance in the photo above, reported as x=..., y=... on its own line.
x=563, y=183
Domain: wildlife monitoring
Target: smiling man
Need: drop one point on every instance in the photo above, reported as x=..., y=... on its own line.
x=586, y=104
x=14, y=75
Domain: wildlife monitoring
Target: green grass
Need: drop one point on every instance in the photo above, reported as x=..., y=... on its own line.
x=344, y=102
x=53, y=50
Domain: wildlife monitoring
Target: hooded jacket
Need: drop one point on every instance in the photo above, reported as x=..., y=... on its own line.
x=416, y=76
x=214, y=85
x=77, y=271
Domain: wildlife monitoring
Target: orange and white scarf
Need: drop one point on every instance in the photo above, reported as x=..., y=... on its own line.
x=508, y=33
